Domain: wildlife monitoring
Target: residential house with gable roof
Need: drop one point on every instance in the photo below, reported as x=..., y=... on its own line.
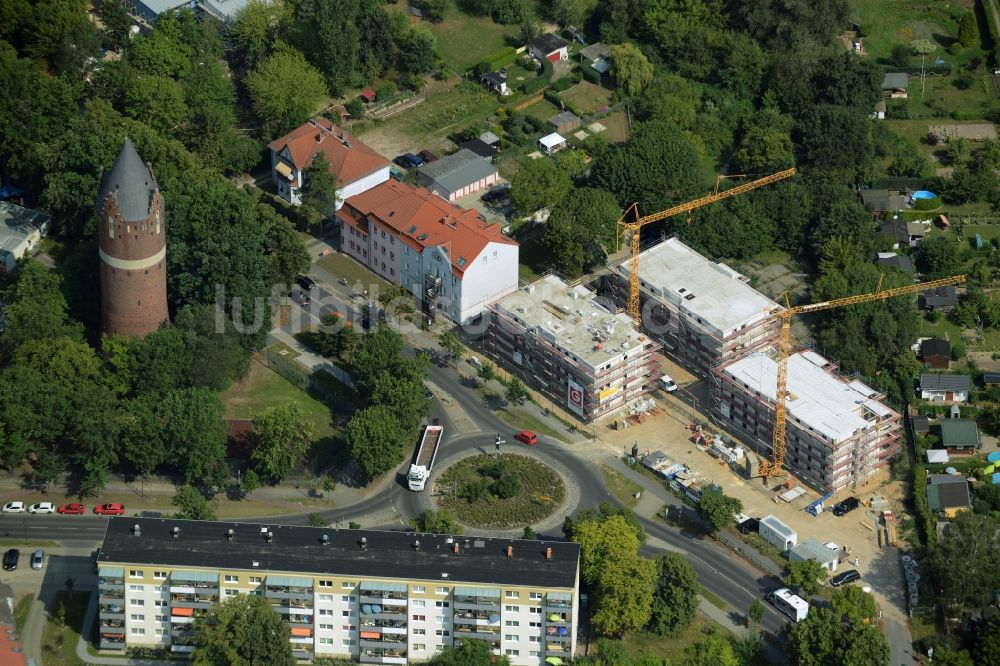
x=358, y=167
x=449, y=257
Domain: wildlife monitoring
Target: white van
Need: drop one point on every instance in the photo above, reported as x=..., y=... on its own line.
x=667, y=384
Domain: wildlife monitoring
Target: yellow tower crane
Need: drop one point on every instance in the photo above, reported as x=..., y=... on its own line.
x=638, y=222
x=769, y=468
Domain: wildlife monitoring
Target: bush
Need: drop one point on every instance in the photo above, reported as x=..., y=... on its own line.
x=965, y=80
x=900, y=55
x=386, y=91
x=474, y=490
x=955, y=48
x=507, y=486
x=562, y=84
x=925, y=520
x=356, y=108
x=540, y=81
x=537, y=124
x=591, y=74
x=898, y=110
x=958, y=351
x=928, y=204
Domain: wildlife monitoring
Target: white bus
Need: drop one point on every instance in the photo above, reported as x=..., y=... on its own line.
x=793, y=606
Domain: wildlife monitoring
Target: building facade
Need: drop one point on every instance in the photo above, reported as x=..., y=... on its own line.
x=561, y=340
x=704, y=313
x=378, y=597
x=132, y=242
x=358, y=168
x=838, y=432
x=451, y=259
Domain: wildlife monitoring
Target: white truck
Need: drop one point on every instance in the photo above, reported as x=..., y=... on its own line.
x=423, y=459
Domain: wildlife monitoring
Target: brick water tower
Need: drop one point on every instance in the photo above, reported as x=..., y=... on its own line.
x=133, y=247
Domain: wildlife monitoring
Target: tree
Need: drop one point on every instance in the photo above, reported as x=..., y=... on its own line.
x=573, y=12
x=939, y=256
x=36, y=310
x=962, y=560
x=507, y=486
x=487, y=372
x=900, y=55
x=404, y=394
x=805, y=575
x=116, y=22
x=624, y=595
x=968, y=30
x=470, y=653
x=987, y=648
x=242, y=631
x=194, y=430
x=376, y=440
x=378, y=353
x=255, y=29
x=249, y=482
x=766, y=144
x=713, y=650
x=156, y=100
x=284, y=91
x=282, y=435
x=451, y=343
x=191, y=504
x=529, y=533
x=676, y=595
x=538, y=184
x=631, y=68
x=419, y=51
x=717, y=508
x=855, y=605
x=434, y=10
x=603, y=543
x=756, y=611
x=436, y=522
x=516, y=393
x=319, y=188
x=317, y=520
x=581, y=230
x=825, y=638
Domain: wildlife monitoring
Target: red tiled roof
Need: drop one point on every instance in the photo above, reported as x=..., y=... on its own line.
x=11, y=648
x=349, y=158
x=422, y=219
x=367, y=94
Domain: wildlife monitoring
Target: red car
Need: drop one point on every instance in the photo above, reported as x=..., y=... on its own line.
x=72, y=509
x=110, y=509
x=527, y=437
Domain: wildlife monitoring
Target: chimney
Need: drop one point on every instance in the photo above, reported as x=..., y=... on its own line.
x=364, y=543
x=136, y=531
x=325, y=540
x=229, y=534
x=510, y=551
x=176, y=531
x=270, y=536
x=548, y=553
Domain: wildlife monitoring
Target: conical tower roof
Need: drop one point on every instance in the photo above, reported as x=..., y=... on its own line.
x=130, y=182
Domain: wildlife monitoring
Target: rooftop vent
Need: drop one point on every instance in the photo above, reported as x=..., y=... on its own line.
x=510, y=551
x=229, y=534
x=176, y=531
x=325, y=540
x=136, y=531
x=255, y=564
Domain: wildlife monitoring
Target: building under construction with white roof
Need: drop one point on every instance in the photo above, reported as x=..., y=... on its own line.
x=704, y=312
x=838, y=431
x=562, y=341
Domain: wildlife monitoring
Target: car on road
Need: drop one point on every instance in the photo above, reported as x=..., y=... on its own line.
x=42, y=507
x=38, y=559
x=72, y=509
x=300, y=297
x=13, y=507
x=110, y=509
x=527, y=437
x=10, y=559
x=408, y=161
x=845, y=577
x=427, y=156
x=846, y=506
x=305, y=282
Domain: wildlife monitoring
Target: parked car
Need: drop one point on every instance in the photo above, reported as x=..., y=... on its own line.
x=72, y=509
x=408, y=161
x=13, y=507
x=527, y=437
x=305, y=282
x=10, y=559
x=667, y=384
x=427, y=156
x=42, y=507
x=300, y=297
x=846, y=506
x=38, y=559
x=845, y=577
x=396, y=174
x=110, y=509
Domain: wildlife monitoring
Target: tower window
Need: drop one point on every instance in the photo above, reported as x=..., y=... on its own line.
x=111, y=227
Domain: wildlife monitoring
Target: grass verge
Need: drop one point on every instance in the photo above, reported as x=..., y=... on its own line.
x=524, y=421
x=651, y=648
x=59, y=639
x=21, y=609
x=540, y=491
x=713, y=599
x=622, y=487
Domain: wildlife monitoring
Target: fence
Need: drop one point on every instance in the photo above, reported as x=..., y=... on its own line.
x=318, y=384
x=749, y=554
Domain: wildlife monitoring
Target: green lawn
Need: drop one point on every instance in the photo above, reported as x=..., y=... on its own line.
x=642, y=645
x=587, y=97
x=521, y=420
x=543, y=110
x=617, y=127
x=340, y=265
x=59, y=640
x=622, y=487
x=886, y=23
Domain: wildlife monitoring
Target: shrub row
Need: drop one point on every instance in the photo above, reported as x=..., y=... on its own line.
x=493, y=62
x=930, y=68
x=539, y=82
x=590, y=74
x=925, y=521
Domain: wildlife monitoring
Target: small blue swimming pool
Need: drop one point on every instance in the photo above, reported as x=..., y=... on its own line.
x=924, y=194
x=994, y=457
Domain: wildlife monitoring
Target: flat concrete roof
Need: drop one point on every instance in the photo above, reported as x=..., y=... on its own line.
x=571, y=319
x=701, y=288
x=817, y=396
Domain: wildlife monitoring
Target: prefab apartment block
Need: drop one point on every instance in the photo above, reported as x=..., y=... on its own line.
x=372, y=596
x=838, y=431
x=703, y=312
x=565, y=343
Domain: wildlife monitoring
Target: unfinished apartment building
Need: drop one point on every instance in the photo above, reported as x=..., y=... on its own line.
x=565, y=343
x=703, y=312
x=838, y=431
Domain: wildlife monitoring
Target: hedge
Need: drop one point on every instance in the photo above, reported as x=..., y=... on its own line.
x=933, y=203
x=562, y=84
x=499, y=59
x=591, y=74
x=539, y=82
x=560, y=103
x=925, y=521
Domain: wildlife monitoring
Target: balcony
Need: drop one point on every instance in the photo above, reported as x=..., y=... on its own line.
x=114, y=599
x=377, y=656
x=373, y=597
x=477, y=633
x=288, y=592
x=112, y=640
x=288, y=606
x=111, y=625
x=179, y=648
x=191, y=601
x=112, y=612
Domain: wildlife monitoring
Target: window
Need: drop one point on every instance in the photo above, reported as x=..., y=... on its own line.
x=137, y=631
x=440, y=590
x=442, y=632
x=160, y=575
x=326, y=627
x=512, y=623
x=419, y=647
x=347, y=585
x=349, y=627
x=441, y=604
x=346, y=613
x=535, y=624
x=348, y=599
x=136, y=602
x=325, y=611
x=134, y=573
x=534, y=595
x=326, y=583
x=136, y=617
x=161, y=588
x=111, y=227
x=230, y=593
x=535, y=610
x=511, y=594
x=510, y=609
x=419, y=632
x=160, y=618
x=438, y=649
x=347, y=642
x=511, y=638
x=419, y=618
x=535, y=653
x=418, y=603
x=256, y=579
x=161, y=632
x=232, y=579
x=326, y=641
x=534, y=639
x=419, y=589
x=160, y=603
x=329, y=597
x=512, y=653
x=135, y=588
